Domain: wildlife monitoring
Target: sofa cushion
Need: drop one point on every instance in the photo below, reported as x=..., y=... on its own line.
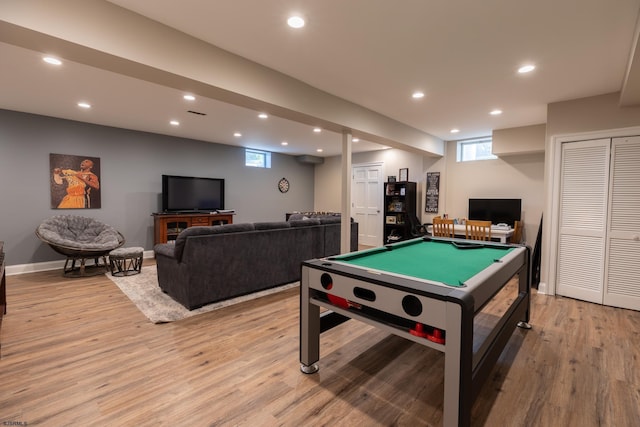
x=297, y=217
x=307, y=215
x=233, y=228
x=304, y=222
x=330, y=220
x=204, y=231
x=273, y=225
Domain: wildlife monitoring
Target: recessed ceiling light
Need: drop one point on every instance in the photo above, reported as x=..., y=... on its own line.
x=496, y=112
x=237, y=134
x=455, y=130
x=319, y=150
x=263, y=115
x=284, y=143
x=174, y=123
x=84, y=105
x=51, y=60
x=189, y=97
x=355, y=139
x=295, y=21
x=417, y=95
x=526, y=68
x=317, y=130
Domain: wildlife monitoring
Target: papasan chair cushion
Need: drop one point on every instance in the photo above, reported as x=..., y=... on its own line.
x=79, y=237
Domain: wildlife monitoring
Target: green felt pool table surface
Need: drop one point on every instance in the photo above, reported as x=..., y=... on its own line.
x=435, y=260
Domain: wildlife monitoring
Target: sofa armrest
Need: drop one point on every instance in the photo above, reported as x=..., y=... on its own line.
x=166, y=249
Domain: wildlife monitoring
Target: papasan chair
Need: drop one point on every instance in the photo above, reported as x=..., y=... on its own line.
x=79, y=239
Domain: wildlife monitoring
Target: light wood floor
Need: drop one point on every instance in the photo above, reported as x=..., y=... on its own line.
x=77, y=352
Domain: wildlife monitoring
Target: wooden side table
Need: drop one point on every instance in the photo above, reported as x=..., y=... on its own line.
x=3, y=287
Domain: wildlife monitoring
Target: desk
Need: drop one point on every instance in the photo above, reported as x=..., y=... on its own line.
x=499, y=234
x=393, y=289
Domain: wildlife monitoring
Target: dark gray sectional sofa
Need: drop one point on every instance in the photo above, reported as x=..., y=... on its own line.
x=208, y=264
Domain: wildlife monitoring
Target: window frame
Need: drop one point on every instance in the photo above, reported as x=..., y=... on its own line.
x=474, y=142
x=265, y=156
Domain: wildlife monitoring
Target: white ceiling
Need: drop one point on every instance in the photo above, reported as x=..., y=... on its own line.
x=463, y=54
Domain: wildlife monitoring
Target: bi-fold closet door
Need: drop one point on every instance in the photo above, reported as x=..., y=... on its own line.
x=599, y=233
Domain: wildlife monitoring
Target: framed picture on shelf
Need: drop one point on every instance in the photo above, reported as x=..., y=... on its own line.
x=403, y=174
x=391, y=178
x=391, y=219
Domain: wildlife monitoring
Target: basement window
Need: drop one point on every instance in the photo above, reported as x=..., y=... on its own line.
x=257, y=158
x=475, y=149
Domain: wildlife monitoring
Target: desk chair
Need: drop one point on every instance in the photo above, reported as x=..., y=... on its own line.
x=442, y=227
x=478, y=230
x=516, y=237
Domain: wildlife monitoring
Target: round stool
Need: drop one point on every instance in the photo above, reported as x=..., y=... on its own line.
x=126, y=261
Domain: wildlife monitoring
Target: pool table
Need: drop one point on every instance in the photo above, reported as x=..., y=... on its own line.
x=428, y=290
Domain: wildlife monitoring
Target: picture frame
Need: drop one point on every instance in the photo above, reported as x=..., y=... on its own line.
x=74, y=181
x=391, y=178
x=403, y=174
x=432, y=193
x=390, y=219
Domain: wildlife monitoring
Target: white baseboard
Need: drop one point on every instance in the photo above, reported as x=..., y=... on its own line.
x=12, y=270
x=542, y=288
x=32, y=268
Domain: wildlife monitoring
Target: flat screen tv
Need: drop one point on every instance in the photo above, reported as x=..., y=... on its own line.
x=498, y=211
x=188, y=193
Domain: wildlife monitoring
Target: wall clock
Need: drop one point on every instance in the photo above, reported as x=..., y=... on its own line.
x=283, y=185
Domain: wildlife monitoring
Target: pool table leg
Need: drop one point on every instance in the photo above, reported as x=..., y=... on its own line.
x=458, y=396
x=309, y=328
x=524, y=287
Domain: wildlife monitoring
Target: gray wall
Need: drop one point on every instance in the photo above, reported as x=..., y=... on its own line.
x=132, y=164
x=590, y=114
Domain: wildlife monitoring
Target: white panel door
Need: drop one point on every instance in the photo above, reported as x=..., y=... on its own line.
x=583, y=219
x=622, y=272
x=366, y=193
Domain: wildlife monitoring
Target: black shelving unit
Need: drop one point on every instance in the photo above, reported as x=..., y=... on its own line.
x=399, y=203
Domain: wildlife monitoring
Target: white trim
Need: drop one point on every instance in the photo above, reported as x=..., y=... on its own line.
x=32, y=268
x=345, y=225
x=13, y=270
x=552, y=191
x=542, y=288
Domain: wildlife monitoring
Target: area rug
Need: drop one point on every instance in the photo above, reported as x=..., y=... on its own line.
x=143, y=290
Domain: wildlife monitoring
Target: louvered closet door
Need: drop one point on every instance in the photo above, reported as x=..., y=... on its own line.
x=622, y=284
x=583, y=219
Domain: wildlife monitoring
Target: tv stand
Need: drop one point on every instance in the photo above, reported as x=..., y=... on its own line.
x=167, y=225
x=188, y=212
